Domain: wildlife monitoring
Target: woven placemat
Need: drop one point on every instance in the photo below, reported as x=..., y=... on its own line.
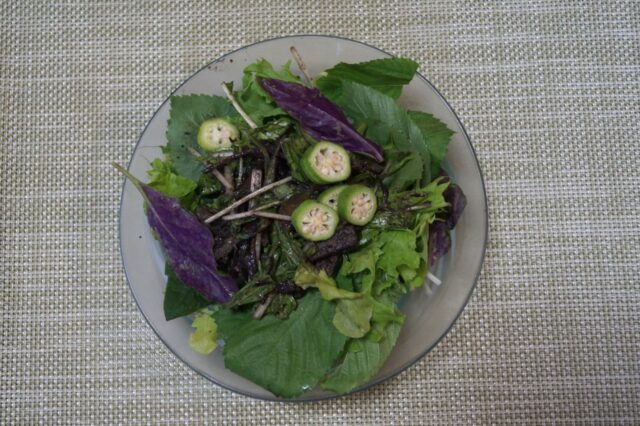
x=549, y=92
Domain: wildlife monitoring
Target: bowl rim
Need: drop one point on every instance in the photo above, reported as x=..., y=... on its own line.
x=377, y=380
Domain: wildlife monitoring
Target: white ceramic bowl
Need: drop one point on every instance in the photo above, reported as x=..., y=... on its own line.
x=431, y=310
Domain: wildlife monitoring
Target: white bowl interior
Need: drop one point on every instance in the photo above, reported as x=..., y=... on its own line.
x=430, y=310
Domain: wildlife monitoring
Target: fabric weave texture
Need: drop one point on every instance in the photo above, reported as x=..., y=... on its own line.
x=549, y=92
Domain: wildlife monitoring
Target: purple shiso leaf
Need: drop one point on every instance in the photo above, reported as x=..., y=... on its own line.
x=457, y=202
x=439, y=231
x=318, y=116
x=439, y=241
x=188, y=244
x=456, y=199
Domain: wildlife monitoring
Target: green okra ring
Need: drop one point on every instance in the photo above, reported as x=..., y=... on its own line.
x=357, y=204
x=329, y=197
x=217, y=134
x=326, y=162
x=315, y=221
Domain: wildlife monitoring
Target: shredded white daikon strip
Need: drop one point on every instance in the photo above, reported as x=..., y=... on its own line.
x=433, y=278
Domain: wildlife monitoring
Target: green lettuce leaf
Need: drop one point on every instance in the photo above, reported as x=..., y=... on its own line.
x=384, y=75
x=307, y=276
x=186, y=115
x=385, y=311
x=353, y=316
x=388, y=125
x=431, y=197
x=274, y=129
x=437, y=136
x=164, y=180
x=179, y=299
x=204, y=339
x=253, y=99
x=354, y=310
x=358, y=367
x=393, y=261
x=392, y=257
x=363, y=264
x=399, y=256
x=286, y=357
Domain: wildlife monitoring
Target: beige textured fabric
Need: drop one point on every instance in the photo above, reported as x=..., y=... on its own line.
x=549, y=92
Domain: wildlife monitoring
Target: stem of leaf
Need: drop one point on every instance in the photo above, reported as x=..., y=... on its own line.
x=237, y=106
x=227, y=185
x=247, y=198
x=224, y=180
x=419, y=207
x=240, y=171
x=262, y=308
x=275, y=216
x=258, y=246
x=301, y=65
x=134, y=180
x=255, y=182
x=271, y=168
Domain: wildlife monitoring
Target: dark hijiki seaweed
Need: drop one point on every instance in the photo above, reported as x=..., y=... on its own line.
x=345, y=239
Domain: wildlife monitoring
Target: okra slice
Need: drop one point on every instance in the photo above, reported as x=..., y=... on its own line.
x=217, y=134
x=329, y=197
x=315, y=221
x=326, y=162
x=357, y=204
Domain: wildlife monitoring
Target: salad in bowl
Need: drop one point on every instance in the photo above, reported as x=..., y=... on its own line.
x=296, y=213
